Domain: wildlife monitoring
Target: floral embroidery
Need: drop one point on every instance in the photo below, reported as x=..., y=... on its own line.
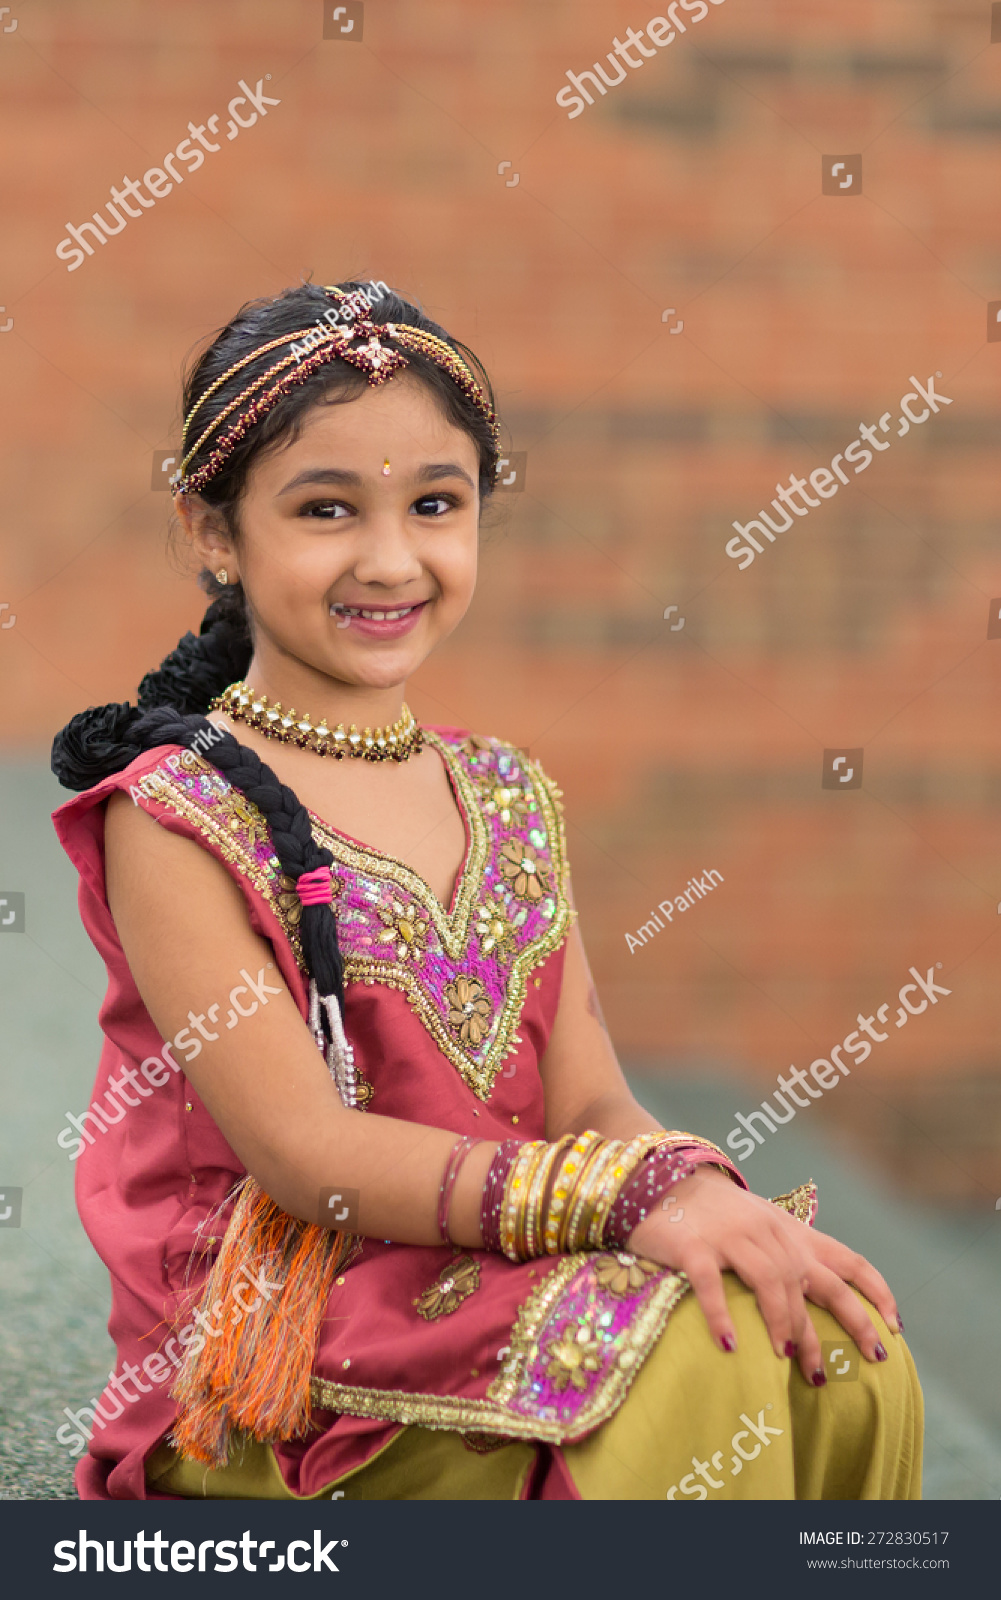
x=509, y=912
x=526, y=873
x=405, y=929
x=575, y=1359
x=243, y=816
x=470, y=1009
x=455, y=1283
x=508, y=803
x=622, y=1273
x=288, y=901
x=496, y=929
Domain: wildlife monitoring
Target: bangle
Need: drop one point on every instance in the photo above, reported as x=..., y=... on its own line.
x=569, y=1176
x=492, y=1205
x=512, y=1219
x=661, y=1169
x=460, y=1150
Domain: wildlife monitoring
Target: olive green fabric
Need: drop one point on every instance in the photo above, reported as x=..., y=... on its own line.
x=697, y=1423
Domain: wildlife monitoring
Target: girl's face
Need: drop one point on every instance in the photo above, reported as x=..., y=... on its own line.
x=349, y=569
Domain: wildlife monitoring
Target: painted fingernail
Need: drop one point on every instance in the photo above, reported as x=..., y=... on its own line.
x=818, y=1378
x=728, y=1342
x=900, y=1324
x=881, y=1353
x=789, y=1349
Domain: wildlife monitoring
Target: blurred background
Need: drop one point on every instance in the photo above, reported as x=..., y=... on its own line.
x=677, y=318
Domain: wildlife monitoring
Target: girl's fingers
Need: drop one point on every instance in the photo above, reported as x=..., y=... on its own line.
x=776, y=1288
x=706, y=1279
x=825, y=1288
x=853, y=1268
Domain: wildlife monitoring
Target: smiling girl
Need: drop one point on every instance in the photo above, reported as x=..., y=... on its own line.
x=394, y=1226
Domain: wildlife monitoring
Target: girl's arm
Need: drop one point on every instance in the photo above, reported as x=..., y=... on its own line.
x=714, y=1226
x=183, y=926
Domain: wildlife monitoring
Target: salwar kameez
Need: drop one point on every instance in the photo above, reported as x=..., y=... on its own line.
x=437, y=1373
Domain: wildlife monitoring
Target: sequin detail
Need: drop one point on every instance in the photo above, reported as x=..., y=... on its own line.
x=464, y=969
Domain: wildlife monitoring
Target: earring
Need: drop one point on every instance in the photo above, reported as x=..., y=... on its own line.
x=222, y=576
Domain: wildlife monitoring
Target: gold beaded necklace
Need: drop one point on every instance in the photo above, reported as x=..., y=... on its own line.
x=396, y=742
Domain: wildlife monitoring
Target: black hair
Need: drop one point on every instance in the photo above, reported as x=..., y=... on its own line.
x=172, y=701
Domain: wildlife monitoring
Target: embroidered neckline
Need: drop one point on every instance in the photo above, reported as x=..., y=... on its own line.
x=464, y=969
x=451, y=922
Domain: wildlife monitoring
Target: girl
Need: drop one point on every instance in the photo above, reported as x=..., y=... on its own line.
x=381, y=1215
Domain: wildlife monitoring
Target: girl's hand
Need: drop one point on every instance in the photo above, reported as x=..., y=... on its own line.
x=785, y=1262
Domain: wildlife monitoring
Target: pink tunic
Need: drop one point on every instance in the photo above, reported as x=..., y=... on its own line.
x=449, y=1012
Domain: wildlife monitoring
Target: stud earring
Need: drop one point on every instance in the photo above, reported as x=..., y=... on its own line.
x=222, y=576
x=385, y=468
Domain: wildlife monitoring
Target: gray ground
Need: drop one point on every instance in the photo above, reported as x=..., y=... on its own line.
x=55, y=1352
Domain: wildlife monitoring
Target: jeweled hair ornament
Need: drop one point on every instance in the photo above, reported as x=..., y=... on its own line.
x=323, y=343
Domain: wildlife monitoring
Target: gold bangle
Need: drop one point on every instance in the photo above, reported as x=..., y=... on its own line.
x=565, y=1190
x=578, y=1210
x=513, y=1190
x=614, y=1180
x=524, y=1225
x=538, y=1206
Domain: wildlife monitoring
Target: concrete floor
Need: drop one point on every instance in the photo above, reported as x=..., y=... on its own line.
x=54, y=1349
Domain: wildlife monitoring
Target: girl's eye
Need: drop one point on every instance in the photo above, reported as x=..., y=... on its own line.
x=434, y=505
x=328, y=509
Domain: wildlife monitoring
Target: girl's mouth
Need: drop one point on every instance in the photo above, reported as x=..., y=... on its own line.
x=378, y=622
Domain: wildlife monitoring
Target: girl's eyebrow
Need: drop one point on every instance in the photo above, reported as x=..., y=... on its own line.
x=342, y=477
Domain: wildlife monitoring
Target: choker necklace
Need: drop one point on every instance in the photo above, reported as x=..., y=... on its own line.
x=396, y=742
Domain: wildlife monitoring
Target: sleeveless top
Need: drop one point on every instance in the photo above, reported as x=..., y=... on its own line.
x=449, y=1011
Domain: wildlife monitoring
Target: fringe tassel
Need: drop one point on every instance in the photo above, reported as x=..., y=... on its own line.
x=269, y=1288
x=252, y=1373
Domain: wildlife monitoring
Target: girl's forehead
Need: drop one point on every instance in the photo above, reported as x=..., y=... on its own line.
x=407, y=408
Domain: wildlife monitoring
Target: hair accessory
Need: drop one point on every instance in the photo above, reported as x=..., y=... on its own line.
x=316, y=888
x=222, y=576
x=460, y=1150
x=398, y=741
x=309, y=349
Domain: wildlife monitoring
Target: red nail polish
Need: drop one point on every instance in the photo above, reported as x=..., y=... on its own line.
x=900, y=1324
x=818, y=1379
x=728, y=1342
x=789, y=1349
x=881, y=1353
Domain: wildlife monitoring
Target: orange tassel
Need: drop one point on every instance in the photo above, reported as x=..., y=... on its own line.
x=252, y=1373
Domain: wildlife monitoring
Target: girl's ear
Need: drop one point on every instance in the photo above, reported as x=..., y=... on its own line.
x=206, y=531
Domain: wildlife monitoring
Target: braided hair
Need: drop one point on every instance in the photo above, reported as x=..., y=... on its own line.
x=172, y=701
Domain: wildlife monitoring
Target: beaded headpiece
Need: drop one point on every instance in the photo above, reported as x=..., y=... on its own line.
x=359, y=341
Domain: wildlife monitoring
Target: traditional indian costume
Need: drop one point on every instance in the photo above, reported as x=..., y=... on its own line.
x=433, y=1372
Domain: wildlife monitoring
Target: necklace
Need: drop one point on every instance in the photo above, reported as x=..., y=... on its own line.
x=396, y=742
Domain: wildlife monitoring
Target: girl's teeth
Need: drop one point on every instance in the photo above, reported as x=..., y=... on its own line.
x=372, y=616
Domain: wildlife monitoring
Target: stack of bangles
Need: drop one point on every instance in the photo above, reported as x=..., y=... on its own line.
x=581, y=1192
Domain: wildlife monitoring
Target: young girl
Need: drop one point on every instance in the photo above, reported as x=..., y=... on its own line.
x=381, y=1215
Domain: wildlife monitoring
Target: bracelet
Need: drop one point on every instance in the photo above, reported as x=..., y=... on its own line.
x=659, y=1172
x=583, y=1191
x=460, y=1150
x=492, y=1205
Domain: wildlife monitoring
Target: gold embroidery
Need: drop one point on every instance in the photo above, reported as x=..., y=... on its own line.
x=469, y=1009
x=492, y=1415
x=405, y=928
x=622, y=1273
x=527, y=875
x=455, y=1283
x=221, y=829
x=508, y=802
x=574, y=1358
x=453, y=928
x=495, y=930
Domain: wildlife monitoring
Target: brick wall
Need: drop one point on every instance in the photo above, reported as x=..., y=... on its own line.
x=695, y=184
